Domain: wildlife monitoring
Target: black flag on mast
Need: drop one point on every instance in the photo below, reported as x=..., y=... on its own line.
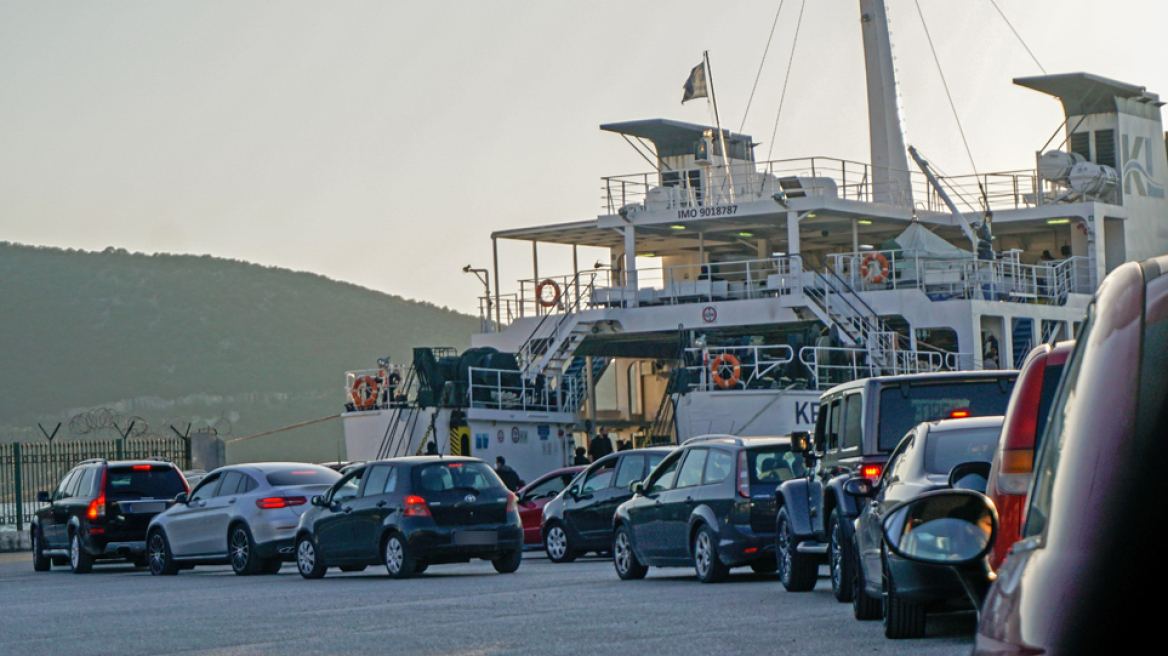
x=695, y=85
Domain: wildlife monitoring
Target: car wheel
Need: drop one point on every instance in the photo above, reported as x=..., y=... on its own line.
x=40, y=562
x=864, y=605
x=708, y=565
x=140, y=562
x=158, y=556
x=244, y=559
x=508, y=562
x=399, y=558
x=839, y=558
x=624, y=559
x=797, y=571
x=353, y=568
x=555, y=542
x=79, y=559
x=309, y=562
x=420, y=567
x=271, y=565
x=766, y=565
x=901, y=618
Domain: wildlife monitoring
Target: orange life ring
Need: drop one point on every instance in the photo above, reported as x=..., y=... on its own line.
x=881, y=273
x=539, y=293
x=364, y=392
x=735, y=371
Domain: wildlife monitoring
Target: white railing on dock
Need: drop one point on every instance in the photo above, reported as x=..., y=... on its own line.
x=499, y=389
x=759, y=367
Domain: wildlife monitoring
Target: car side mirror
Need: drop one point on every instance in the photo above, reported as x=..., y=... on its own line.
x=970, y=476
x=637, y=487
x=860, y=487
x=800, y=442
x=181, y=498
x=43, y=497
x=318, y=501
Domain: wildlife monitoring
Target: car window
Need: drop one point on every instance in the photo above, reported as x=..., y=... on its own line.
x=600, y=477
x=549, y=488
x=663, y=475
x=853, y=411
x=774, y=464
x=895, y=459
x=246, y=485
x=229, y=485
x=904, y=406
x=74, y=480
x=632, y=468
x=85, y=487
x=719, y=464
x=63, y=486
x=159, y=481
x=377, y=478
x=444, y=476
x=347, y=487
x=655, y=459
x=1047, y=458
x=833, y=425
x=206, y=488
x=946, y=449
x=302, y=475
x=691, y=469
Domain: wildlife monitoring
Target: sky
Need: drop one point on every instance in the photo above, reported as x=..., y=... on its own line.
x=381, y=143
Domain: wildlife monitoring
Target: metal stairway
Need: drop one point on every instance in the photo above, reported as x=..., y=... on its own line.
x=576, y=371
x=550, y=348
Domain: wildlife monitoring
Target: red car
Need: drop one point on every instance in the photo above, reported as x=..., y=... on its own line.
x=533, y=497
x=1013, y=463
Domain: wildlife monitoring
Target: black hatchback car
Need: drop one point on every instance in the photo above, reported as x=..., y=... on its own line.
x=710, y=504
x=579, y=519
x=408, y=514
x=100, y=511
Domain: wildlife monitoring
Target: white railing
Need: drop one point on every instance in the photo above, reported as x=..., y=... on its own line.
x=758, y=367
x=704, y=283
x=830, y=366
x=375, y=389
x=499, y=389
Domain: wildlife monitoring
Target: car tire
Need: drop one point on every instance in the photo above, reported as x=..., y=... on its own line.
x=309, y=561
x=271, y=565
x=158, y=555
x=557, y=546
x=241, y=550
x=40, y=562
x=768, y=565
x=79, y=559
x=707, y=564
x=839, y=558
x=798, y=572
x=399, y=558
x=420, y=567
x=508, y=562
x=902, y=620
x=624, y=558
x=140, y=562
x=353, y=568
x=864, y=606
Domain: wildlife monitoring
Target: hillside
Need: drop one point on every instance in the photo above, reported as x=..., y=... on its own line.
x=193, y=338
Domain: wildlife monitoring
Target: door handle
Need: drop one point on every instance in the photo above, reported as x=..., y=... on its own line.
x=657, y=502
x=381, y=504
x=689, y=499
x=231, y=501
x=348, y=510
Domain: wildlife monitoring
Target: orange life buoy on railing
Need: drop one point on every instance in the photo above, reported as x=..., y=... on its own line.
x=364, y=392
x=539, y=293
x=728, y=360
x=877, y=274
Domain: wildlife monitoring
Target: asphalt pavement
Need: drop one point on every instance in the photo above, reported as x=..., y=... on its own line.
x=457, y=610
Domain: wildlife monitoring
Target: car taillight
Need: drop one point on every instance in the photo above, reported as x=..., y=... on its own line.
x=870, y=472
x=270, y=503
x=1017, y=467
x=97, y=507
x=743, y=476
x=512, y=502
x=416, y=507
x=959, y=414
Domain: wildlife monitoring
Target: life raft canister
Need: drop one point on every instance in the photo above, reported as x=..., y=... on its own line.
x=878, y=273
x=364, y=392
x=730, y=361
x=539, y=293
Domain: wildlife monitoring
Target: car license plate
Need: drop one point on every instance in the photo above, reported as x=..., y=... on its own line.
x=148, y=507
x=476, y=537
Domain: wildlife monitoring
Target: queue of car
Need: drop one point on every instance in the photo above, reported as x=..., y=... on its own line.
x=890, y=493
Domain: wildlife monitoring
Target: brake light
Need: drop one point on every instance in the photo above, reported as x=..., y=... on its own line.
x=141, y=467
x=271, y=503
x=959, y=414
x=416, y=507
x=512, y=502
x=743, y=476
x=97, y=507
x=871, y=472
x=454, y=465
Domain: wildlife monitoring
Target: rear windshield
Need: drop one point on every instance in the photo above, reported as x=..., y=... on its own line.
x=902, y=408
x=143, y=482
x=440, y=477
x=302, y=475
x=946, y=449
x=774, y=465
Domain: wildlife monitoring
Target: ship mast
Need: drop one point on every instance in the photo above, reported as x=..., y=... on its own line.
x=890, y=174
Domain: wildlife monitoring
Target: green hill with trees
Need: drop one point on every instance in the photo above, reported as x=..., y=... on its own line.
x=209, y=341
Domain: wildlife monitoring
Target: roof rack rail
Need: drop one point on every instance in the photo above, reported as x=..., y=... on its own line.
x=705, y=438
x=92, y=460
x=158, y=459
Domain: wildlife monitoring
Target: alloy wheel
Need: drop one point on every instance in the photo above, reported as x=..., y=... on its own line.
x=784, y=551
x=622, y=552
x=394, y=555
x=557, y=542
x=240, y=549
x=157, y=554
x=703, y=553
x=74, y=551
x=305, y=557
x=837, y=565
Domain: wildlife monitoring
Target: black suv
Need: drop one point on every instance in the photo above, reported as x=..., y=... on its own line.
x=710, y=504
x=100, y=510
x=859, y=424
x=410, y=513
x=579, y=519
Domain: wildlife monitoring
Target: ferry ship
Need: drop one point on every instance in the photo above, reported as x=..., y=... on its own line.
x=776, y=280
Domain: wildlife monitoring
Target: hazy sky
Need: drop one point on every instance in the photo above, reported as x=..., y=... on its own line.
x=382, y=142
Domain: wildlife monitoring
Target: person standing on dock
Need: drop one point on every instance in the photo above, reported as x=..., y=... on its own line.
x=600, y=447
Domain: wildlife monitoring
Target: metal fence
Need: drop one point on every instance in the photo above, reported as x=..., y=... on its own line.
x=28, y=468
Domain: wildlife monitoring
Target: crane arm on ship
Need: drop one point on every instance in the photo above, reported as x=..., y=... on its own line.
x=961, y=220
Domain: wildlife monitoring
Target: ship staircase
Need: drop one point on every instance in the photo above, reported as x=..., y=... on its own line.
x=550, y=350
x=664, y=427
x=405, y=412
